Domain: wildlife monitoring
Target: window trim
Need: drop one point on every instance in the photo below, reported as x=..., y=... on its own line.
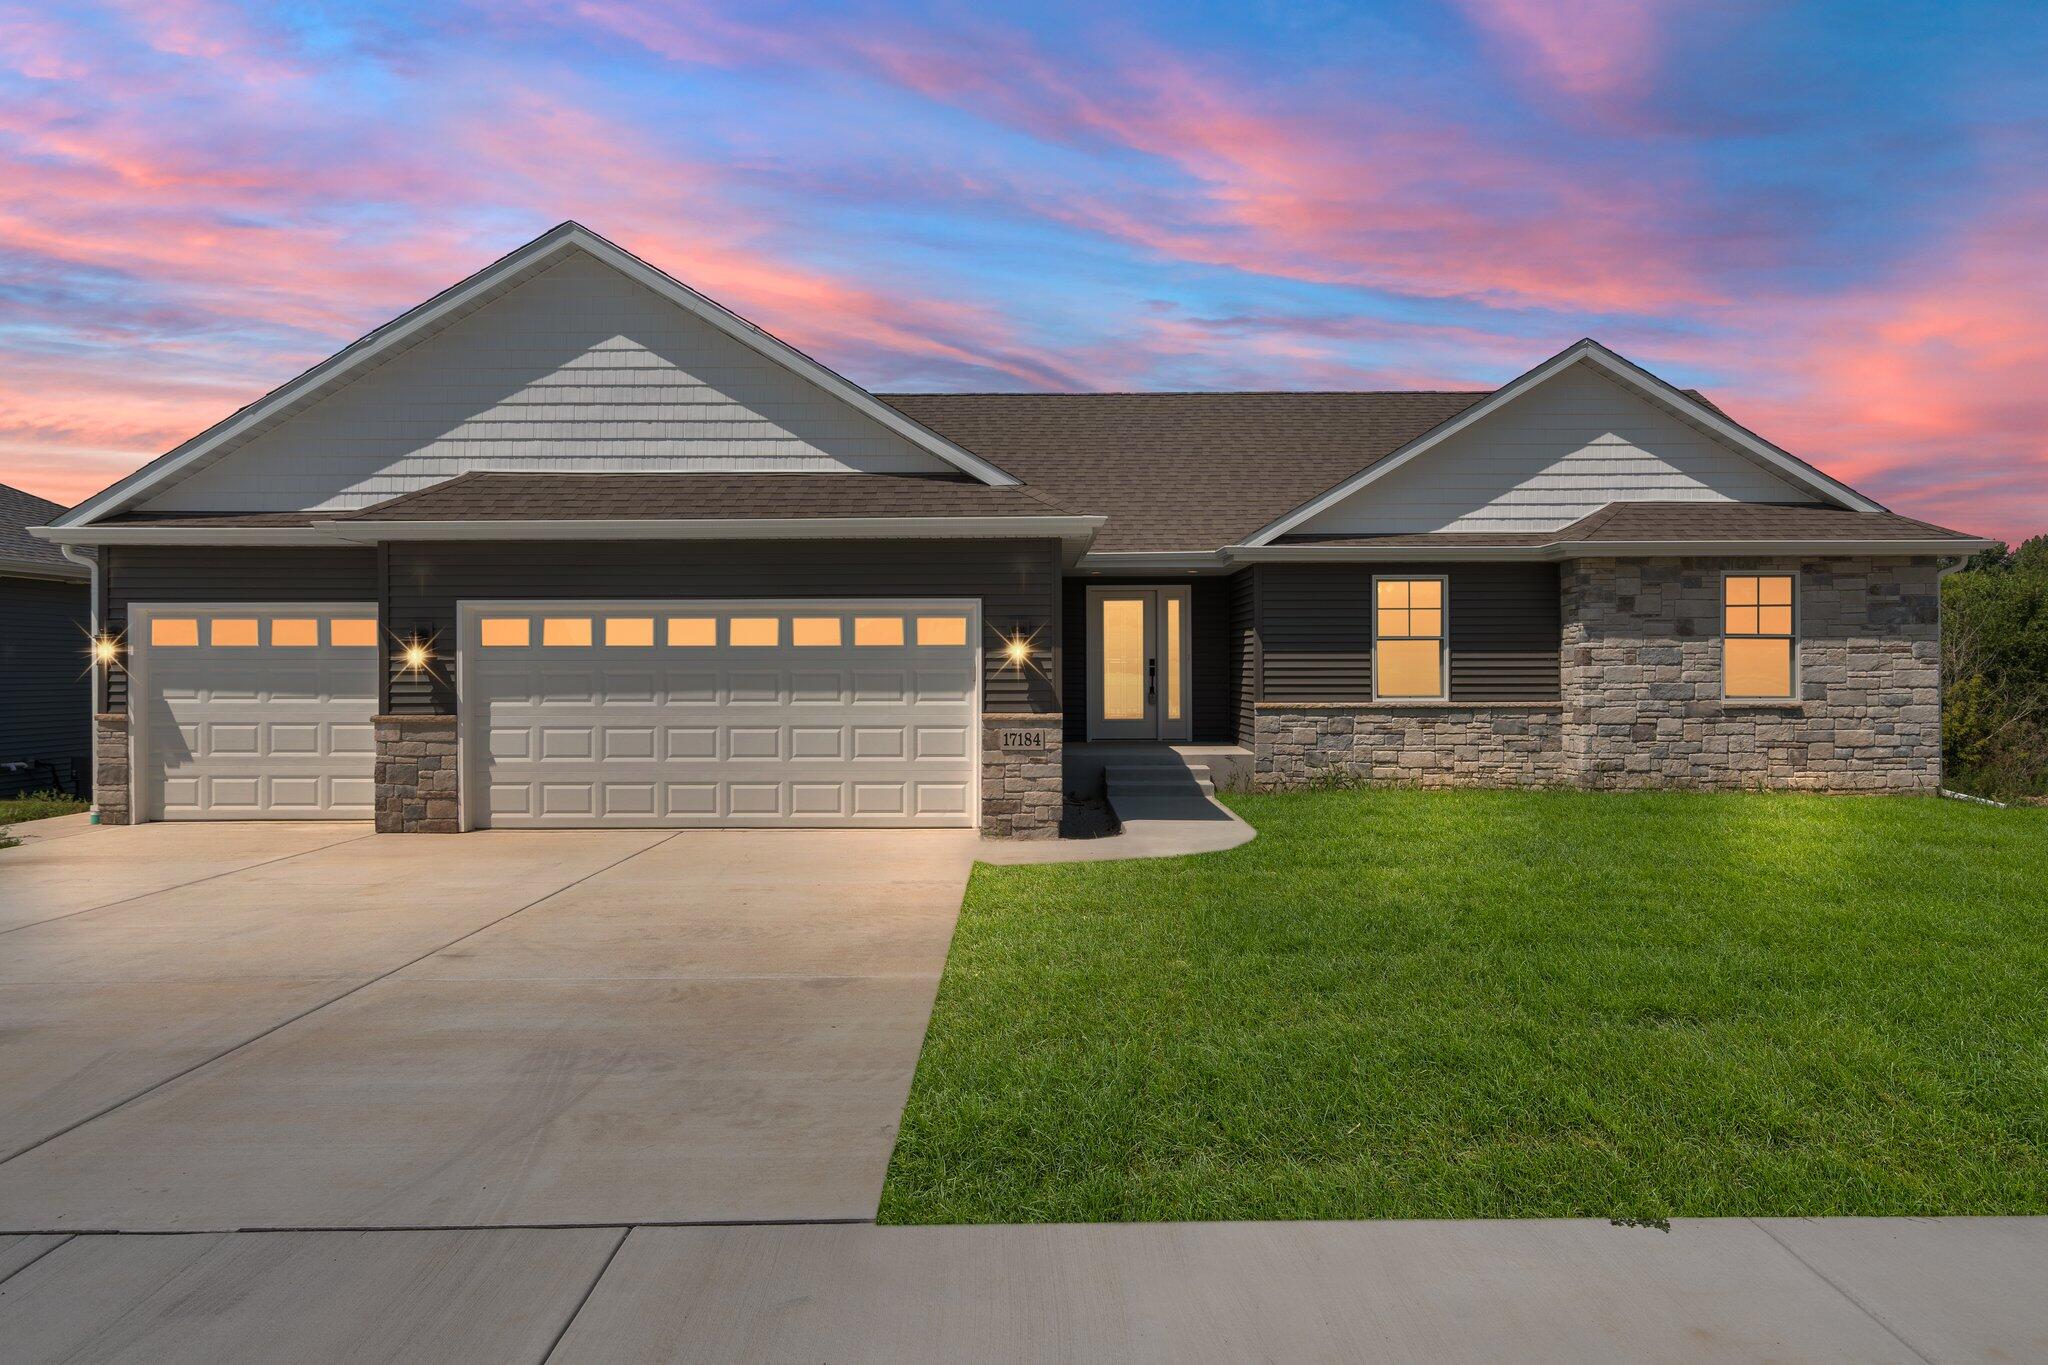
x=1721, y=634
x=1443, y=660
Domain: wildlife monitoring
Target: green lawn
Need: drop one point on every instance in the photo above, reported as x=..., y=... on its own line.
x=1403, y=1004
x=16, y=809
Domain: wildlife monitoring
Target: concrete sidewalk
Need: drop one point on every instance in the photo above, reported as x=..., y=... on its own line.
x=1907, y=1290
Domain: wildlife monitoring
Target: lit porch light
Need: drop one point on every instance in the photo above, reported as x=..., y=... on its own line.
x=106, y=650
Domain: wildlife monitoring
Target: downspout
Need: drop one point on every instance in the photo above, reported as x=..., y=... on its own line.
x=92, y=564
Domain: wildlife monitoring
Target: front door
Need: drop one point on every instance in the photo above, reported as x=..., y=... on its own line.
x=1138, y=664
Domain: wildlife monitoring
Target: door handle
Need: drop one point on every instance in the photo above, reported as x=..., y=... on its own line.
x=1151, y=681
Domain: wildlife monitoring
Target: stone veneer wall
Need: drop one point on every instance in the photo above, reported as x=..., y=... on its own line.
x=1642, y=678
x=1476, y=745
x=110, y=790
x=1022, y=792
x=417, y=782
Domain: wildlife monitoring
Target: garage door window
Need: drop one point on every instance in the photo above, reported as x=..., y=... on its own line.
x=942, y=630
x=237, y=632
x=756, y=632
x=629, y=632
x=506, y=632
x=879, y=631
x=692, y=632
x=814, y=631
x=353, y=633
x=295, y=632
x=173, y=631
x=566, y=631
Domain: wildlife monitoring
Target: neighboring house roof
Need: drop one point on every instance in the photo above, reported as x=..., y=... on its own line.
x=1182, y=471
x=20, y=552
x=1724, y=527
x=573, y=497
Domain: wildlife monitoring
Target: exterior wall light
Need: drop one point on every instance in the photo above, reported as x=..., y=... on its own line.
x=1018, y=651
x=415, y=655
x=106, y=651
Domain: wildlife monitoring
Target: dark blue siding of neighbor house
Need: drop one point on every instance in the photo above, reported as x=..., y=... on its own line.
x=45, y=692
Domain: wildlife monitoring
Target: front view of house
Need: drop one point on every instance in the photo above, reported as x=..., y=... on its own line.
x=571, y=545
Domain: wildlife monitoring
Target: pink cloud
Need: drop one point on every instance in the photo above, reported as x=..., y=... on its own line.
x=1586, y=49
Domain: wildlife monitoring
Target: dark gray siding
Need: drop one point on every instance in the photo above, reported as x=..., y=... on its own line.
x=45, y=690
x=1244, y=650
x=257, y=573
x=1212, y=678
x=1018, y=583
x=1314, y=626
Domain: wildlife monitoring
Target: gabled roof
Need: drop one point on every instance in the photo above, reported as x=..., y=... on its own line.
x=457, y=300
x=482, y=496
x=20, y=552
x=1182, y=471
x=1682, y=404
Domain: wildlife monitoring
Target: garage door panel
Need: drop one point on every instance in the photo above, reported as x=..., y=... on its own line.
x=254, y=730
x=803, y=731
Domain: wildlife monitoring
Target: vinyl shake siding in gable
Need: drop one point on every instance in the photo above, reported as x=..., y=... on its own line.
x=577, y=368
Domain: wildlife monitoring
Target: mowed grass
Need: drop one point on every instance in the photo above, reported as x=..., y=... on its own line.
x=15, y=810
x=1404, y=1004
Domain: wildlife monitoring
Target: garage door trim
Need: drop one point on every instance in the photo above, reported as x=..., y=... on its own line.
x=139, y=615
x=469, y=764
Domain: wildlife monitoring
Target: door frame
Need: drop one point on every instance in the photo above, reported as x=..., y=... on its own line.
x=1164, y=730
x=469, y=610
x=137, y=668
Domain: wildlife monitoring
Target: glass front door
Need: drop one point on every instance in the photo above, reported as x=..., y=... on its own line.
x=1138, y=663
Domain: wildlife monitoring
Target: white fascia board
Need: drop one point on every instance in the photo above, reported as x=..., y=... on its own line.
x=1617, y=367
x=182, y=535
x=1145, y=561
x=1595, y=549
x=757, y=528
x=401, y=330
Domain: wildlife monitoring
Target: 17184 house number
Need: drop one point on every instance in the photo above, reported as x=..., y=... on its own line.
x=1024, y=739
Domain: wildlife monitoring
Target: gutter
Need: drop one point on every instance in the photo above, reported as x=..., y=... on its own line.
x=1595, y=549
x=366, y=532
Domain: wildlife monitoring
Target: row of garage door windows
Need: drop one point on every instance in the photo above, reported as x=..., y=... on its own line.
x=574, y=631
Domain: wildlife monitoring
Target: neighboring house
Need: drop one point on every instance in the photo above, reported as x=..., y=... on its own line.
x=569, y=544
x=45, y=624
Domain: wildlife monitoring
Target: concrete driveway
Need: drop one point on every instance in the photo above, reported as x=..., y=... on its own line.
x=212, y=1027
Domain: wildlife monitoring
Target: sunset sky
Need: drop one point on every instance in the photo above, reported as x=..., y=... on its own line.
x=1831, y=217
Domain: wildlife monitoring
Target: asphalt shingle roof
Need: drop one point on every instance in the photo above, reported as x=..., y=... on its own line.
x=18, y=512
x=661, y=497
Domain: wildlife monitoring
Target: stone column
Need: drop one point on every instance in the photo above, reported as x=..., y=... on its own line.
x=1022, y=774
x=418, y=788
x=110, y=768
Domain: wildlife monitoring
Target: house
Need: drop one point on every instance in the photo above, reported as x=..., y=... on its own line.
x=45, y=696
x=569, y=544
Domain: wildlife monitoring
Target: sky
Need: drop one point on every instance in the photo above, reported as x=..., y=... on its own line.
x=1833, y=218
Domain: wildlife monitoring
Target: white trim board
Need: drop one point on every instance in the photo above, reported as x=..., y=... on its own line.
x=453, y=302
x=1621, y=370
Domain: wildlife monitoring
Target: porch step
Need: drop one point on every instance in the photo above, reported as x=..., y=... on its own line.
x=1159, y=770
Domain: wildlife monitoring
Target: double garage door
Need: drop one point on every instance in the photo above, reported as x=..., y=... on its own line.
x=577, y=714
x=730, y=714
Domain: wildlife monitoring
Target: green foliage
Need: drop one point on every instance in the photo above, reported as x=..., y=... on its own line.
x=39, y=806
x=1995, y=672
x=1414, y=1004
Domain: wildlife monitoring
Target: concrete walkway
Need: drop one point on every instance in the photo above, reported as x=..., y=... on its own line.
x=1156, y=824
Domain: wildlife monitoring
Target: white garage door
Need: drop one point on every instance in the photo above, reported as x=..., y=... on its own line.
x=247, y=713
x=644, y=713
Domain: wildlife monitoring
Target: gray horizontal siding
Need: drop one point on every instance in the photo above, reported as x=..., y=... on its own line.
x=267, y=573
x=1315, y=630
x=1244, y=650
x=45, y=692
x=1018, y=583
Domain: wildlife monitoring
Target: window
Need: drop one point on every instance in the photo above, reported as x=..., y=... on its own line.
x=1408, y=638
x=505, y=632
x=569, y=631
x=234, y=632
x=352, y=632
x=629, y=631
x=295, y=632
x=1757, y=636
x=692, y=632
x=942, y=630
x=173, y=630
x=756, y=632
x=878, y=630
x=814, y=630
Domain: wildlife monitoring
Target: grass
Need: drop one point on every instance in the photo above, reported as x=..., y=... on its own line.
x=15, y=810
x=1404, y=1004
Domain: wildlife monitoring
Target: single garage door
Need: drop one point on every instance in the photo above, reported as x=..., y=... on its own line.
x=677, y=714
x=247, y=713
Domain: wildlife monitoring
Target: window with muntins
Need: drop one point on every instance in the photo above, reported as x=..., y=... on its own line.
x=1758, y=638
x=1408, y=639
